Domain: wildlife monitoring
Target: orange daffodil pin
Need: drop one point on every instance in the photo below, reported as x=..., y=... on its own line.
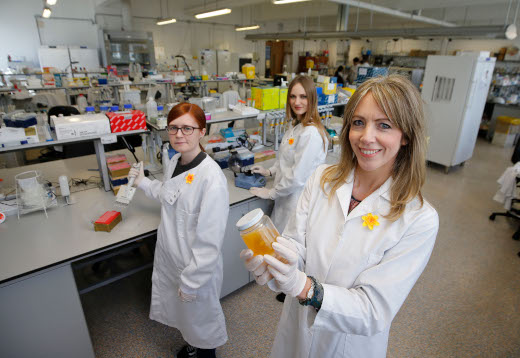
x=370, y=221
x=189, y=178
x=291, y=141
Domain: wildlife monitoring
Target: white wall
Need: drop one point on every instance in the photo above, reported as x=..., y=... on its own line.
x=20, y=32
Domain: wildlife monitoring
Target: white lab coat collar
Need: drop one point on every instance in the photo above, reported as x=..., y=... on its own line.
x=368, y=205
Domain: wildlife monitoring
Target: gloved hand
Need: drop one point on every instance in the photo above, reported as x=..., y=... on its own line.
x=256, y=266
x=261, y=170
x=138, y=174
x=288, y=278
x=186, y=297
x=263, y=193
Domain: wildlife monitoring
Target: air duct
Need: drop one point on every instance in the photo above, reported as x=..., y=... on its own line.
x=392, y=12
x=483, y=32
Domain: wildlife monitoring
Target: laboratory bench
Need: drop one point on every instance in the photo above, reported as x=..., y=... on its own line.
x=40, y=308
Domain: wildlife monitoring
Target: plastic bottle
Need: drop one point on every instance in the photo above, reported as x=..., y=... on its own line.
x=160, y=111
x=151, y=110
x=258, y=232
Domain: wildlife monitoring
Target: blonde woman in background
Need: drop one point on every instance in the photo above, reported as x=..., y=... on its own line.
x=302, y=150
x=362, y=232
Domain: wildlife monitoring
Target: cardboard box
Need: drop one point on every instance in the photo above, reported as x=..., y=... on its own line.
x=126, y=121
x=80, y=126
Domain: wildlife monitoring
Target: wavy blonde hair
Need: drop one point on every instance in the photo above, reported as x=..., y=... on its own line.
x=400, y=100
x=311, y=117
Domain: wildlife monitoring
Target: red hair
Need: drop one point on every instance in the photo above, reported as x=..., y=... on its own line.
x=188, y=108
x=183, y=108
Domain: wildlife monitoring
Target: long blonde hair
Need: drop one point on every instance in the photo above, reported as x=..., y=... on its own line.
x=401, y=102
x=311, y=117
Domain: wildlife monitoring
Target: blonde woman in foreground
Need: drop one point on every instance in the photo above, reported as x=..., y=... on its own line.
x=361, y=235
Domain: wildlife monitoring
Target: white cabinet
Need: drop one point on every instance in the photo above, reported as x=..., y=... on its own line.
x=235, y=274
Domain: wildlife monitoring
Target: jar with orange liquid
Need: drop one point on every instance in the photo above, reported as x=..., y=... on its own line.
x=258, y=232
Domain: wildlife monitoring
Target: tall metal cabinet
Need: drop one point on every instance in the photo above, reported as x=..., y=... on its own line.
x=455, y=90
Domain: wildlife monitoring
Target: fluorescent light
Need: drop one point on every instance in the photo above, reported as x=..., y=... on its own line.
x=246, y=28
x=166, y=21
x=52, y=2
x=46, y=13
x=213, y=13
x=281, y=2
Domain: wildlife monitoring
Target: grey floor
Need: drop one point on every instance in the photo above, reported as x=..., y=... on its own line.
x=466, y=303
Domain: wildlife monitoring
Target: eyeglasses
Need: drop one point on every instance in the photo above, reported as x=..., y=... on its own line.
x=185, y=130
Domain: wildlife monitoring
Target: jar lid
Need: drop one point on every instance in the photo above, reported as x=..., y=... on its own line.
x=250, y=219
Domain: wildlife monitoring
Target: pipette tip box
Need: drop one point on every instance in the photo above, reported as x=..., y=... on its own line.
x=107, y=221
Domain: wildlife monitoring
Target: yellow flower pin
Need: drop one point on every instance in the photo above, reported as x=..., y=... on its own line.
x=291, y=141
x=370, y=221
x=189, y=178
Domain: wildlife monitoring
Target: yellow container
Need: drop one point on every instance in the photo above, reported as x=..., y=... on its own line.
x=205, y=77
x=266, y=97
x=507, y=125
x=258, y=232
x=328, y=88
x=309, y=64
x=249, y=70
x=283, y=96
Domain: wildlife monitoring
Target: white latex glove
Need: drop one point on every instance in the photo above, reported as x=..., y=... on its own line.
x=256, y=266
x=263, y=193
x=138, y=174
x=288, y=278
x=186, y=297
x=261, y=170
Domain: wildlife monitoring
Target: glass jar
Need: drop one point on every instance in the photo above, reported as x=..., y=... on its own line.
x=258, y=232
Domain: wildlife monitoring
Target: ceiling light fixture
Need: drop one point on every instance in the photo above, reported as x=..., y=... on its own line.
x=281, y=2
x=46, y=13
x=51, y=2
x=247, y=28
x=511, y=32
x=213, y=13
x=166, y=21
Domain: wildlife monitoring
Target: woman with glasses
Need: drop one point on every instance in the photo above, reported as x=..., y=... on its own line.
x=187, y=274
x=302, y=150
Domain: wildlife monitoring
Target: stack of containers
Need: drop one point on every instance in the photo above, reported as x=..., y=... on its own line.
x=326, y=87
x=118, y=169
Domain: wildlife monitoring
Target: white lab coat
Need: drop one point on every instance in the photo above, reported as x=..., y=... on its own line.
x=294, y=165
x=366, y=275
x=188, y=251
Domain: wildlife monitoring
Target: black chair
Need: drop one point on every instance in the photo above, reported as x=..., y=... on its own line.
x=513, y=212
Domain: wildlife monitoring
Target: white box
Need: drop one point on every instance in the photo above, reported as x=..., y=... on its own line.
x=81, y=126
x=10, y=136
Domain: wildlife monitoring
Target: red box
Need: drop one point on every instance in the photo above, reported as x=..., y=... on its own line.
x=127, y=121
